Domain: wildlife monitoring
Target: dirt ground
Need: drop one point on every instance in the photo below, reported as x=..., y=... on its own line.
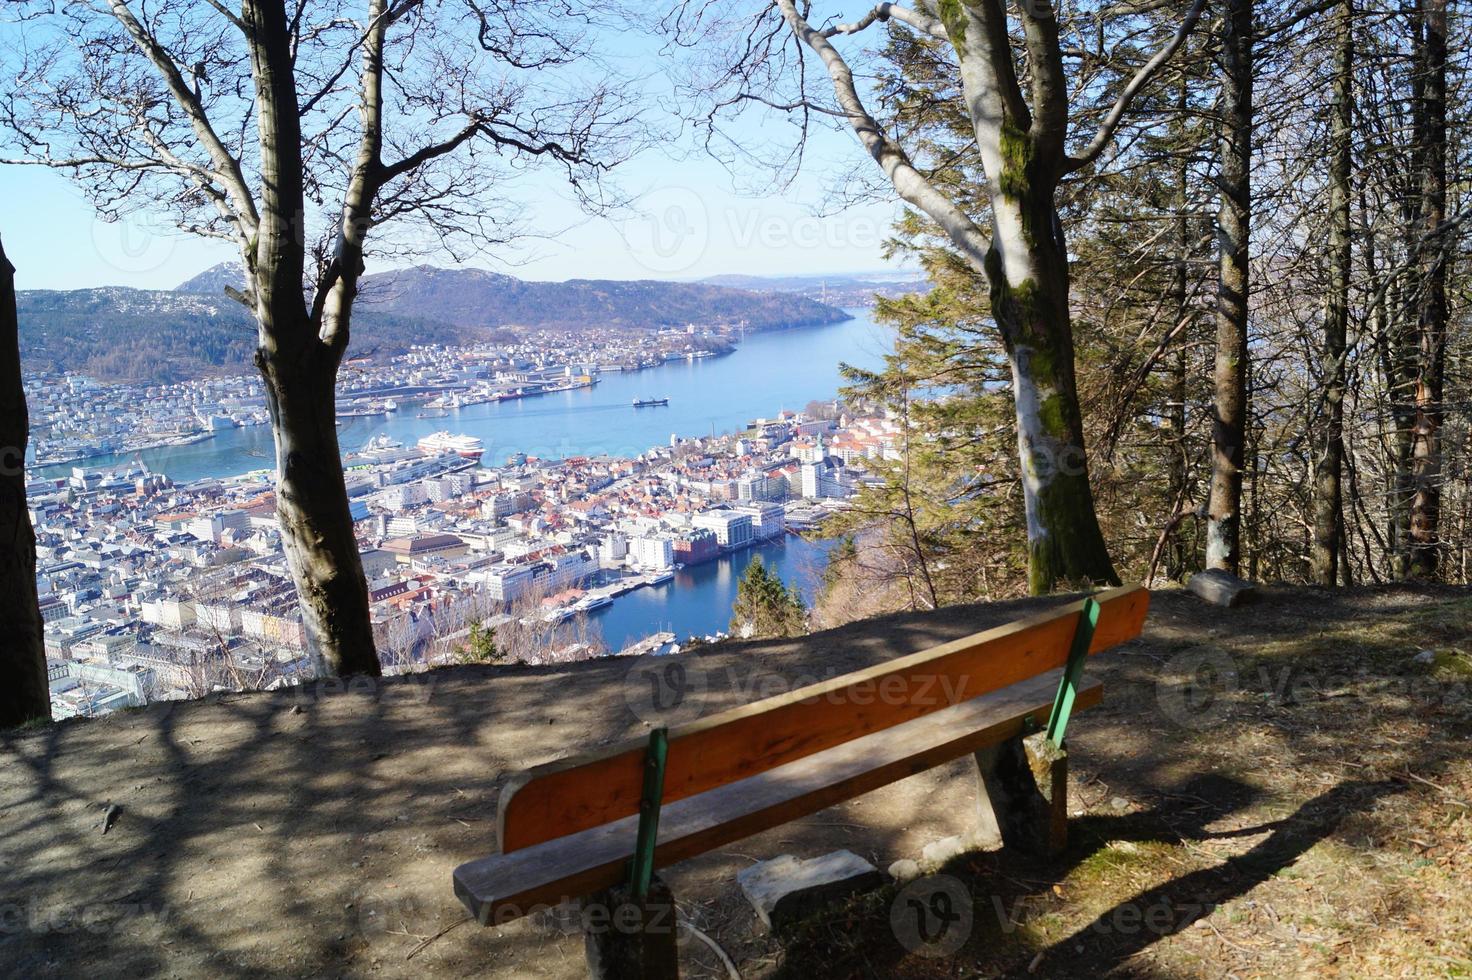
x=1300, y=808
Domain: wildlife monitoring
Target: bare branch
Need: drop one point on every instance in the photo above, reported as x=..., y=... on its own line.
x=227, y=167
x=911, y=185
x=889, y=11
x=1142, y=78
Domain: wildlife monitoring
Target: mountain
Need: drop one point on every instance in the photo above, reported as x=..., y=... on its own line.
x=213, y=280
x=473, y=297
x=836, y=290
x=477, y=298
x=120, y=334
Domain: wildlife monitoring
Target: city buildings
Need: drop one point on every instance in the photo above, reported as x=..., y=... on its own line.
x=154, y=589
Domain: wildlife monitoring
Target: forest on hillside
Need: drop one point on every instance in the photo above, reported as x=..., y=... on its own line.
x=1267, y=307
x=118, y=334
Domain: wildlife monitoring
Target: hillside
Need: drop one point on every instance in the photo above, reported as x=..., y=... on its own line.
x=837, y=290
x=121, y=334
x=473, y=297
x=1308, y=819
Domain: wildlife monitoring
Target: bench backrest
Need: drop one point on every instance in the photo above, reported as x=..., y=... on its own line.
x=592, y=789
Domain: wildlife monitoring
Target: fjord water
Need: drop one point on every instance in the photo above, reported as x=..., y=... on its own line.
x=768, y=372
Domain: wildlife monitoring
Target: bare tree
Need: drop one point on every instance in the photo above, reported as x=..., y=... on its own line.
x=24, y=692
x=1430, y=25
x=1016, y=100
x=1234, y=221
x=1329, y=496
x=294, y=131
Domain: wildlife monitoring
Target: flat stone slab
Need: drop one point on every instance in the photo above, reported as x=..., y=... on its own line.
x=1222, y=588
x=787, y=889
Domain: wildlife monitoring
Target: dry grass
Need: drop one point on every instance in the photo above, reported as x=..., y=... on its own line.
x=1314, y=821
x=1318, y=812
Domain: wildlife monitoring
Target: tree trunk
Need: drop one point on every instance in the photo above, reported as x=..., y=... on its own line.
x=1229, y=429
x=1180, y=463
x=1431, y=319
x=1027, y=270
x=25, y=694
x=299, y=368
x=1328, y=496
x=316, y=523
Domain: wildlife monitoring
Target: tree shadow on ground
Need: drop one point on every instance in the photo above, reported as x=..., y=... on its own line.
x=865, y=937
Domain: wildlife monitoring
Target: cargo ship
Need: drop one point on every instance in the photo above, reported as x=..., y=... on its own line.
x=466, y=447
x=650, y=402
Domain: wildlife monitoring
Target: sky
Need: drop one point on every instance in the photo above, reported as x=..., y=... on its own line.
x=688, y=220
x=689, y=217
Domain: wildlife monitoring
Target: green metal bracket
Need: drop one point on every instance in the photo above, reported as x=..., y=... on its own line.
x=1068, y=686
x=641, y=868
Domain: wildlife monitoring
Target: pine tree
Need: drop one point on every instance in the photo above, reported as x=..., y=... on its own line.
x=480, y=645
x=765, y=607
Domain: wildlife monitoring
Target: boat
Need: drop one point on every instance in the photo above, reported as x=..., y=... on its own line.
x=650, y=402
x=466, y=447
x=661, y=578
x=594, y=602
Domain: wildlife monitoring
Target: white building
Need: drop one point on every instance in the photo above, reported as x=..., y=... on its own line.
x=558, y=572
x=768, y=521
x=507, y=583
x=733, y=528
x=174, y=614
x=613, y=548
x=403, y=496
x=823, y=480
x=652, y=553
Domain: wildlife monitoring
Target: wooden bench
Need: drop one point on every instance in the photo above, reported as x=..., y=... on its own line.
x=594, y=827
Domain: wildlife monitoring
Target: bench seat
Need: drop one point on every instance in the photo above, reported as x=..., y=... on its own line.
x=503, y=887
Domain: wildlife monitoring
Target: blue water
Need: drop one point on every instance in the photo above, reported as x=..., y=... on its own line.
x=698, y=601
x=767, y=373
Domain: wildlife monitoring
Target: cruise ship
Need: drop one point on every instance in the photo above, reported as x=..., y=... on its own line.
x=467, y=447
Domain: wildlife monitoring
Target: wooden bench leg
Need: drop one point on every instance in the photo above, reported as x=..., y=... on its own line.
x=1022, y=796
x=628, y=941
